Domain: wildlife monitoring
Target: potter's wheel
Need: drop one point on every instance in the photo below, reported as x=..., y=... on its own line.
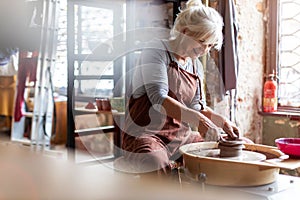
x=247, y=169
x=215, y=153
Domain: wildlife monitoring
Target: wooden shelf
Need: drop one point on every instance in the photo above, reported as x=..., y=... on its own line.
x=96, y=130
x=82, y=110
x=86, y=110
x=93, y=77
x=291, y=115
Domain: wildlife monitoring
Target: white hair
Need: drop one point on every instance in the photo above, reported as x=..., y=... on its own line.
x=203, y=22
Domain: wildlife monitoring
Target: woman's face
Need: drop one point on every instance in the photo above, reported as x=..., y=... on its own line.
x=195, y=48
x=198, y=48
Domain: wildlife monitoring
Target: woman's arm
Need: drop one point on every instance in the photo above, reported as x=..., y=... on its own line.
x=229, y=127
x=178, y=111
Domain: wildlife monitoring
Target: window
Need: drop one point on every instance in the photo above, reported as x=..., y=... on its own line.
x=94, y=26
x=283, y=51
x=289, y=51
x=60, y=70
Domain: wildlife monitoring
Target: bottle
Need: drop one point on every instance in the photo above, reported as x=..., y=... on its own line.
x=270, y=94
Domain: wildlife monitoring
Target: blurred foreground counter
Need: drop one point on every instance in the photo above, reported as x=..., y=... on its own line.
x=29, y=173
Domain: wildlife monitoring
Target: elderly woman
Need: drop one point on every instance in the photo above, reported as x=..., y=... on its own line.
x=167, y=95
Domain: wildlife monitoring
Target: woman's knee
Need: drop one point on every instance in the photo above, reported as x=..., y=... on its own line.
x=155, y=161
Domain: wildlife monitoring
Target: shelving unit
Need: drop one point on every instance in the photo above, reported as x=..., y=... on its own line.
x=128, y=21
x=89, y=64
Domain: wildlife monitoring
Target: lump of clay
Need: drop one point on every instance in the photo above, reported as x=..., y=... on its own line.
x=230, y=148
x=90, y=105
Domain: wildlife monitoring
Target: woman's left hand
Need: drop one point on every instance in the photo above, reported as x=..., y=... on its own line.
x=231, y=129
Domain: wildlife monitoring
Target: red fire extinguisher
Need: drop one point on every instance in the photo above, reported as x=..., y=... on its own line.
x=270, y=94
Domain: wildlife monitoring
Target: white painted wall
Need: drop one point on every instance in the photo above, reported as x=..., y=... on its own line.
x=250, y=14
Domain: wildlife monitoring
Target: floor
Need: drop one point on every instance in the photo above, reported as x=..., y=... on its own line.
x=61, y=152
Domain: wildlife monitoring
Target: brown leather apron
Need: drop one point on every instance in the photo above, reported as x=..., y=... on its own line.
x=150, y=138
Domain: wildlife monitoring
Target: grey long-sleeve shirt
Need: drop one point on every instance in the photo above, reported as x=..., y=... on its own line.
x=150, y=75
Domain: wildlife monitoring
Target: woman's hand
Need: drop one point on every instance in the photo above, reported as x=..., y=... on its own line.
x=208, y=130
x=231, y=129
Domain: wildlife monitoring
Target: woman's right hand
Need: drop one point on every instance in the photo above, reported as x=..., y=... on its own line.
x=208, y=130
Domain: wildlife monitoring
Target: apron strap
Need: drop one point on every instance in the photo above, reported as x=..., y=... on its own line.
x=199, y=81
x=194, y=72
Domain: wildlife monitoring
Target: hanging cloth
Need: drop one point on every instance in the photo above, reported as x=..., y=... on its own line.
x=11, y=68
x=228, y=56
x=27, y=68
x=5, y=55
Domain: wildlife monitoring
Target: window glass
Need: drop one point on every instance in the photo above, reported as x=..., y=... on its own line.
x=289, y=53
